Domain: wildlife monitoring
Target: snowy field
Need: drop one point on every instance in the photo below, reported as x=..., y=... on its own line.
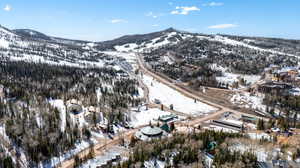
x=247, y=100
x=169, y=96
x=144, y=117
x=230, y=78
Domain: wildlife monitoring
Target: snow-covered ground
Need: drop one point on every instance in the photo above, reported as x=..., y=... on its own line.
x=169, y=96
x=59, y=104
x=247, y=100
x=78, y=147
x=127, y=47
x=226, y=40
x=41, y=59
x=145, y=116
x=231, y=77
x=258, y=136
x=295, y=91
x=261, y=153
x=154, y=164
x=4, y=43
x=3, y=133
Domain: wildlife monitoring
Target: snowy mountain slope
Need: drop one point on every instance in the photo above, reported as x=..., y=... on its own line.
x=142, y=41
x=32, y=46
x=28, y=33
x=168, y=38
x=245, y=43
x=152, y=41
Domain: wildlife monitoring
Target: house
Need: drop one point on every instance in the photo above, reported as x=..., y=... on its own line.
x=165, y=127
x=208, y=160
x=227, y=125
x=249, y=119
x=280, y=164
x=168, y=118
x=157, y=101
x=293, y=72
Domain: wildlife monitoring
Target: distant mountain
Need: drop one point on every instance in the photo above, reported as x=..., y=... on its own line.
x=35, y=35
x=28, y=33
x=31, y=45
x=135, y=39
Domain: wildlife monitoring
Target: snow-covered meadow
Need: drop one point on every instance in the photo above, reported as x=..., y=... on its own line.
x=247, y=100
x=144, y=116
x=169, y=96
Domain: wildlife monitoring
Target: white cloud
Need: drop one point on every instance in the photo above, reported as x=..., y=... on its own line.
x=214, y=4
x=151, y=14
x=7, y=8
x=155, y=25
x=223, y=26
x=184, y=10
x=114, y=21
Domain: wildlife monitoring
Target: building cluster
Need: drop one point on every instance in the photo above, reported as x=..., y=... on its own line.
x=283, y=81
x=230, y=122
x=166, y=126
x=276, y=74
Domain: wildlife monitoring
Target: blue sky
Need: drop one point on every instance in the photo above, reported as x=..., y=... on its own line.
x=98, y=20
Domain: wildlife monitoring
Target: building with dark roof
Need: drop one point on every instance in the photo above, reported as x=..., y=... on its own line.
x=150, y=132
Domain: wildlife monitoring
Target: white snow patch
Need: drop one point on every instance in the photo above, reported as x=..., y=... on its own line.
x=258, y=136
x=230, y=78
x=59, y=104
x=79, y=146
x=144, y=117
x=247, y=100
x=4, y=43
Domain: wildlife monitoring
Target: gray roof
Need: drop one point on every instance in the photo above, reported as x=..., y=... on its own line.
x=151, y=131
